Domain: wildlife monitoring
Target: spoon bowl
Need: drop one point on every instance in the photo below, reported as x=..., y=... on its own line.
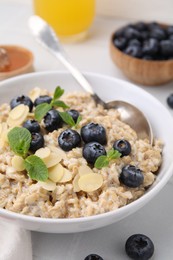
x=131, y=115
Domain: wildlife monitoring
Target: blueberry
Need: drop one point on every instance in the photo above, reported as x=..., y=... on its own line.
x=69, y=139
x=150, y=47
x=139, y=247
x=134, y=42
x=42, y=99
x=134, y=51
x=166, y=48
x=131, y=176
x=120, y=42
x=37, y=142
x=170, y=30
x=153, y=25
x=93, y=132
x=74, y=114
x=171, y=37
x=145, y=35
x=147, y=57
x=52, y=120
x=32, y=125
x=120, y=32
x=93, y=257
x=170, y=101
x=21, y=100
x=141, y=26
x=92, y=151
x=122, y=146
x=158, y=34
x=131, y=33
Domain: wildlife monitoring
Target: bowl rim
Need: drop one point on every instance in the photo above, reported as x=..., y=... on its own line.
x=144, y=198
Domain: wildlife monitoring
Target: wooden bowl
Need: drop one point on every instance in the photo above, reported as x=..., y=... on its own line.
x=20, y=61
x=145, y=72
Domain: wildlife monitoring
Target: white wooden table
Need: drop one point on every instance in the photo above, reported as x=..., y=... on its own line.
x=156, y=218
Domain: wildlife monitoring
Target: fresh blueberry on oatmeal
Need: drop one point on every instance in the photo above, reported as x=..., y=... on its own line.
x=42, y=99
x=52, y=120
x=32, y=125
x=131, y=176
x=94, y=132
x=122, y=146
x=69, y=139
x=92, y=151
x=37, y=142
x=74, y=114
x=25, y=100
x=139, y=247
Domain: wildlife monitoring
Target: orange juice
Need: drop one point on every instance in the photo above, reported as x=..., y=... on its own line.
x=67, y=17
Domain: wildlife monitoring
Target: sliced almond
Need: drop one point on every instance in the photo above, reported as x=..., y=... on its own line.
x=47, y=185
x=53, y=160
x=84, y=169
x=90, y=182
x=43, y=153
x=17, y=112
x=67, y=176
x=34, y=93
x=76, y=187
x=56, y=172
x=16, y=120
x=18, y=163
x=59, y=152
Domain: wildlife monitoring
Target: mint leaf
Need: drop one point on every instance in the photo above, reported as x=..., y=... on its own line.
x=101, y=161
x=36, y=168
x=115, y=155
x=78, y=121
x=41, y=110
x=58, y=93
x=19, y=140
x=59, y=103
x=68, y=119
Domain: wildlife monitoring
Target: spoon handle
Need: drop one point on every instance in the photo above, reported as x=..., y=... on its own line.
x=46, y=36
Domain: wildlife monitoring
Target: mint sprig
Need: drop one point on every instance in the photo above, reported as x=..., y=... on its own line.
x=19, y=140
x=103, y=160
x=42, y=109
x=68, y=119
x=36, y=168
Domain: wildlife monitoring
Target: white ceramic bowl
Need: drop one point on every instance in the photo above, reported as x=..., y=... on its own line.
x=108, y=89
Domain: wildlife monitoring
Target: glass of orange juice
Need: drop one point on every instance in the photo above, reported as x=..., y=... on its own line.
x=70, y=19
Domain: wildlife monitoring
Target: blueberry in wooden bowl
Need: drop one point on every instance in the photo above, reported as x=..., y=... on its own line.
x=144, y=52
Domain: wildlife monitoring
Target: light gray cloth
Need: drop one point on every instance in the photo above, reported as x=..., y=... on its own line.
x=15, y=243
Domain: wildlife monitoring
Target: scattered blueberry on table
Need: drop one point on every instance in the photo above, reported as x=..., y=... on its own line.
x=149, y=41
x=139, y=247
x=170, y=101
x=93, y=257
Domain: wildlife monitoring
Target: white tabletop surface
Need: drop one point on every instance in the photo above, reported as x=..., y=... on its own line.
x=156, y=218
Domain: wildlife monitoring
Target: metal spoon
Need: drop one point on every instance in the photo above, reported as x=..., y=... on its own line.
x=46, y=36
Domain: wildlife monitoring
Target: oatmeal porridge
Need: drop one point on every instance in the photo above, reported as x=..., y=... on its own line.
x=63, y=156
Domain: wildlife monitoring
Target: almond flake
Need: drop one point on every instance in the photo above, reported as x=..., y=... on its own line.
x=47, y=185
x=75, y=183
x=15, y=120
x=34, y=93
x=18, y=163
x=84, y=169
x=90, y=182
x=56, y=172
x=43, y=153
x=66, y=177
x=17, y=112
